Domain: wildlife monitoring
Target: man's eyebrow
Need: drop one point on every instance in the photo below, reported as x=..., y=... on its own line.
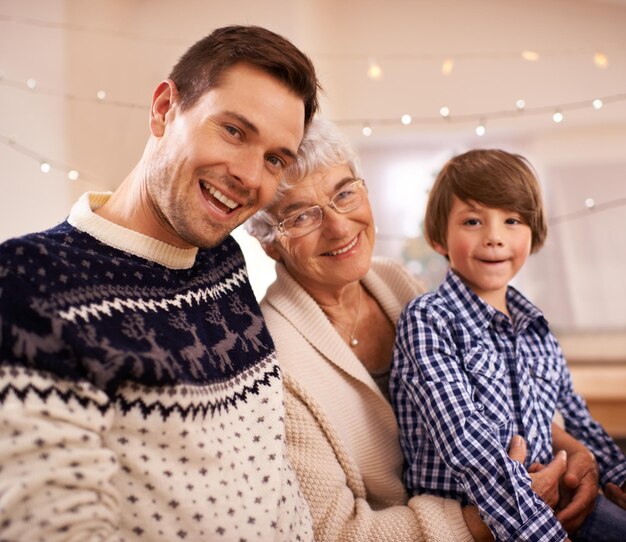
x=253, y=128
x=243, y=120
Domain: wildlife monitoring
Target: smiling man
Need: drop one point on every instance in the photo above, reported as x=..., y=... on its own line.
x=140, y=396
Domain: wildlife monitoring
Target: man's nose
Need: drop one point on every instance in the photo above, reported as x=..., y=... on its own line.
x=248, y=168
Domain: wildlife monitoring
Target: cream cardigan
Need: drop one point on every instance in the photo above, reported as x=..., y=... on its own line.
x=341, y=432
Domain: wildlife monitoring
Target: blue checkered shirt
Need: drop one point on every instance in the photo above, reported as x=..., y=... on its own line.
x=465, y=379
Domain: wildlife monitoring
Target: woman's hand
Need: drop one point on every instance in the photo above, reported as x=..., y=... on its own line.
x=579, y=488
x=544, y=478
x=545, y=483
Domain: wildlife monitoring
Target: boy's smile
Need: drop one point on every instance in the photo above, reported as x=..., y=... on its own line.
x=486, y=247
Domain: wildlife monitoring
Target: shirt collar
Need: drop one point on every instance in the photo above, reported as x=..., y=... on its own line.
x=471, y=308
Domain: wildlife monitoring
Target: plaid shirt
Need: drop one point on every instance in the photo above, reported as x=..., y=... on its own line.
x=465, y=379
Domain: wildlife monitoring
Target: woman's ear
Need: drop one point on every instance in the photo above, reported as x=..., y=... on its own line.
x=272, y=251
x=163, y=100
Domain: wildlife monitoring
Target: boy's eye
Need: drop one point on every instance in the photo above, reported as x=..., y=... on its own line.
x=472, y=222
x=513, y=221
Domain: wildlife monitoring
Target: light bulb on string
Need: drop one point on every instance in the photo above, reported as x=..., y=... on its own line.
x=480, y=129
x=597, y=103
x=557, y=117
x=367, y=130
x=447, y=66
x=444, y=112
x=520, y=104
x=101, y=95
x=601, y=60
x=44, y=167
x=31, y=84
x=73, y=175
x=374, y=71
x=406, y=119
x=590, y=203
x=530, y=56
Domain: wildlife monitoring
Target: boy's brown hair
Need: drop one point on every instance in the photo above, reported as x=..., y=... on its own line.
x=493, y=178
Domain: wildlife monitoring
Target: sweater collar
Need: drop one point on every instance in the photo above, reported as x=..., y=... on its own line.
x=288, y=297
x=82, y=217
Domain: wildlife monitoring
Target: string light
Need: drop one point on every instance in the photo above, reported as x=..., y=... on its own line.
x=480, y=129
x=590, y=206
x=447, y=66
x=33, y=86
x=367, y=130
x=374, y=71
x=46, y=165
x=556, y=112
x=531, y=56
x=601, y=60
x=406, y=119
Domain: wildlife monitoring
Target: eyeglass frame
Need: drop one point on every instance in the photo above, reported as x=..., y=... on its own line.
x=280, y=226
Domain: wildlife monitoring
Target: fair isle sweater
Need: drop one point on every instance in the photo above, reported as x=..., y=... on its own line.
x=341, y=431
x=140, y=396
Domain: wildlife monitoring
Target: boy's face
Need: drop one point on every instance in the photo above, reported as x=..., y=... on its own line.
x=486, y=247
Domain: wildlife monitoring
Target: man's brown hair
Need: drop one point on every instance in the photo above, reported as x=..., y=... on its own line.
x=493, y=178
x=200, y=68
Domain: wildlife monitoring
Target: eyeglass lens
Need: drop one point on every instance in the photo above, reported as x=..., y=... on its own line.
x=347, y=199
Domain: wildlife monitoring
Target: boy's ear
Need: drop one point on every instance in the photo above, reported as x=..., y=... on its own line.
x=163, y=100
x=441, y=249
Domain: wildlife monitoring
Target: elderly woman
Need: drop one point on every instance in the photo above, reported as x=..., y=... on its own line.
x=332, y=312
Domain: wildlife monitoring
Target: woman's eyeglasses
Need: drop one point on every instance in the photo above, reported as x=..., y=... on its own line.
x=346, y=199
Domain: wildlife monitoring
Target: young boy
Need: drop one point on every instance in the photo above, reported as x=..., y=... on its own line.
x=475, y=362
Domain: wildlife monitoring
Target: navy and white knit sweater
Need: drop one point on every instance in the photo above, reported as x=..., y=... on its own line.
x=140, y=395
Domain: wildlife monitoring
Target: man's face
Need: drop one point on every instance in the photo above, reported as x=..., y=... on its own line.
x=218, y=162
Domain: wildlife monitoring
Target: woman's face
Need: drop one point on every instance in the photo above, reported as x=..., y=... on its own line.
x=337, y=253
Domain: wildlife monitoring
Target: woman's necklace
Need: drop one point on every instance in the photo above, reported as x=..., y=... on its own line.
x=353, y=340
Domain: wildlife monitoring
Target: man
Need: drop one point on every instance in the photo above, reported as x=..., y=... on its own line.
x=140, y=397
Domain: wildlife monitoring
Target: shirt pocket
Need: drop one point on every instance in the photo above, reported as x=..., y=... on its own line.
x=486, y=374
x=546, y=375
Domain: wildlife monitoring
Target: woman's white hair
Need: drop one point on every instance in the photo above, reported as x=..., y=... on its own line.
x=323, y=147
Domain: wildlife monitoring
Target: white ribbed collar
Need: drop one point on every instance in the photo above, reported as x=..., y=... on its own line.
x=82, y=217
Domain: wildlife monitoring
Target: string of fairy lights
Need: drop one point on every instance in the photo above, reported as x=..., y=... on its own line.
x=375, y=71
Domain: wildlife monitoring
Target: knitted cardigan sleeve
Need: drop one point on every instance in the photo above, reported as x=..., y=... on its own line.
x=336, y=494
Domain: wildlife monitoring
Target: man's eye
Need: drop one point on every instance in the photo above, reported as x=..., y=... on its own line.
x=232, y=130
x=276, y=162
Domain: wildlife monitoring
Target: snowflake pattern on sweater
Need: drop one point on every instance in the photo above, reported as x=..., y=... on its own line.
x=138, y=401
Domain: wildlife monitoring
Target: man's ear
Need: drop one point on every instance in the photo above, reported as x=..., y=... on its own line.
x=163, y=100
